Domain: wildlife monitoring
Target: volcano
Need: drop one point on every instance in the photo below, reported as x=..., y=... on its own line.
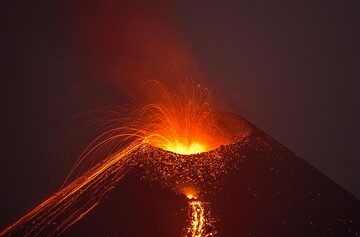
x=252, y=187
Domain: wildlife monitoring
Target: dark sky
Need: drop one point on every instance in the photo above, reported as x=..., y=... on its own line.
x=290, y=68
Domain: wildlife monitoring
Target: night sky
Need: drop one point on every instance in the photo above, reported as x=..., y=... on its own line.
x=292, y=69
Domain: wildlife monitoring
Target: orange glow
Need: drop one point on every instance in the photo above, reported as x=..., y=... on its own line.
x=189, y=192
x=180, y=148
x=181, y=122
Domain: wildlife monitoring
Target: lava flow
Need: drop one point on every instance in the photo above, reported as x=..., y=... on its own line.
x=199, y=216
x=183, y=123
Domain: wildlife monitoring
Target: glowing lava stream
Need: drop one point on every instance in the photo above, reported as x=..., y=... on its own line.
x=197, y=215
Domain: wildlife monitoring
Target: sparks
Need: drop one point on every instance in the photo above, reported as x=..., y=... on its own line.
x=182, y=122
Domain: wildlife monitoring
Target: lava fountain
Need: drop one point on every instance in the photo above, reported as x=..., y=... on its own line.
x=182, y=123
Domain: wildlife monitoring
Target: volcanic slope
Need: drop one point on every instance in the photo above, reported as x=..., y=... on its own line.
x=253, y=187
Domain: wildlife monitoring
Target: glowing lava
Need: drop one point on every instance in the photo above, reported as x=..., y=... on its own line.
x=196, y=228
x=184, y=149
x=182, y=122
x=189, y=192
x=198, y=215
